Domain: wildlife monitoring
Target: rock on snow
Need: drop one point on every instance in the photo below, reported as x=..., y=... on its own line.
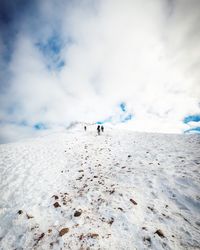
x=120, y=190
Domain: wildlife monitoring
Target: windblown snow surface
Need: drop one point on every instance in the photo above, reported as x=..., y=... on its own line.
x=119, y=190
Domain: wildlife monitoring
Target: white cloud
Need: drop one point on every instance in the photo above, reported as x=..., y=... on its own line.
x=145, y=53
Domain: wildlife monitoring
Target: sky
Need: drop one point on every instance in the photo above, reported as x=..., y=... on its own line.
x=131, y=63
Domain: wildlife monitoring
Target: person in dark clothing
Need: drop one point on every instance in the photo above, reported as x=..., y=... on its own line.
x=102, y=128
x=85, y=128
x=98, y=129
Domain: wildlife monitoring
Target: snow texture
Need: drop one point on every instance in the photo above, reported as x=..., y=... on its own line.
x=119, y=190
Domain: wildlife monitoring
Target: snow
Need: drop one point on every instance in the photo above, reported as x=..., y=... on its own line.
x=133, y=191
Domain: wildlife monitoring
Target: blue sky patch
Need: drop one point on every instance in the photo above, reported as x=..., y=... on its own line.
x=53, y=45
x=128, y=117
x=122, y=117
x=123, y=106
x=51, y=50
x=197, y=130
x=40, y=126
x=192, y=118
x=109, y=119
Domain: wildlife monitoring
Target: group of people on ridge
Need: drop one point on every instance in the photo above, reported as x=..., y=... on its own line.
x=99, y=129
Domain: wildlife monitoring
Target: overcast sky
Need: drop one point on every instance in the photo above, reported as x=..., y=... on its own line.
x=135, y=63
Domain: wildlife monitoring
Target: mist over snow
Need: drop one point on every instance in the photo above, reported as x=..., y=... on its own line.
x=131, y=63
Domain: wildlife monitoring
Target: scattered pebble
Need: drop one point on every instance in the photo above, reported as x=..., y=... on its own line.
x=63, y=231
x=111, y=221
x=29, y=216
x=134, y=202
x=55, y=196
x=121, y=209
x=78, y=213
x=92, y=235
x=56, y=204
x=159, y=233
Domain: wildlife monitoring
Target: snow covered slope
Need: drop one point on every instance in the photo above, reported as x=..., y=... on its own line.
x=120, y=190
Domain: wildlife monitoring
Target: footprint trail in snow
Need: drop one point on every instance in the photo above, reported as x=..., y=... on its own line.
x=120, y=190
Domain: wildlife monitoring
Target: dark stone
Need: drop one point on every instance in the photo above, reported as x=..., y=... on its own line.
x=40, y=237
x=63, y=231
x=147, y=238
x=93, y=235
x=112, y=191
x=111, y=221
x=55, y=196
x=77, y=213
x=151, y=208
x=29, y=216
x=134, y=202
x=159, y=233
x=56, y=204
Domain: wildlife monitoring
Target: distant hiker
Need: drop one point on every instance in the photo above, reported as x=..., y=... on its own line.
x=98, y=129
x=102, y=128
x=85, y=128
